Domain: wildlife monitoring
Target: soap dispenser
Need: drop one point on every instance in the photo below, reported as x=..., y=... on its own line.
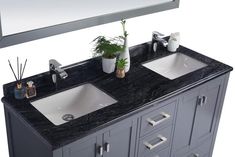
x=30, y=89
x=172, y=45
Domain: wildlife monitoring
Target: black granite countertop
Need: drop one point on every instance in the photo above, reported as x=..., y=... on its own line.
x=135, y=92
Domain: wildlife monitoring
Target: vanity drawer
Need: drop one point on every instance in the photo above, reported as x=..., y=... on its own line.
x=162, y=153
x=155, y=142
x=157, y=118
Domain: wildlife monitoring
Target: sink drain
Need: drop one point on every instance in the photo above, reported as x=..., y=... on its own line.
x=68, y=117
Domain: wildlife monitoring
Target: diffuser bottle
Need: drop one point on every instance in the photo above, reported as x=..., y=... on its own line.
x=19, y=91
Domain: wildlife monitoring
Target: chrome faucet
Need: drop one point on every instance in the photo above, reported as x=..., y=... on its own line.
x=157, y=39
x=55, y=70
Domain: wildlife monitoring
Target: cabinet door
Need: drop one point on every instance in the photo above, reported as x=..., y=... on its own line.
x=184, y=120
x=205, y=112
x=196, y=116
x=88, y=147
x=120, y=140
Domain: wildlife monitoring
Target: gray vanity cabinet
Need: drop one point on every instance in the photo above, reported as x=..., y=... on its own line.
x=184, y=125
x=196, y=117
x=115, y=141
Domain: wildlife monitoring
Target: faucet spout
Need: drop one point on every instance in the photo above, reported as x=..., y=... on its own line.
x=63, y=74
x=162, y=41
x=157, y=39
x=55, y=69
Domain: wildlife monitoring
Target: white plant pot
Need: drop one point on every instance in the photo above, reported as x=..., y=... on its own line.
x=108, y=65
x=126, y=55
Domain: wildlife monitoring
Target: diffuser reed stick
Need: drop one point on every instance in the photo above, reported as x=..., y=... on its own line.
x=23, y=69
x=20, y=69
x=12, y=70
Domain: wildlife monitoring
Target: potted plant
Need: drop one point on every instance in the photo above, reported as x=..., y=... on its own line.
x=108, y=49
x=121, y=64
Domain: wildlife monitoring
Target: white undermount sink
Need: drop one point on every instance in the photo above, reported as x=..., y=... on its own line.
x=174, y=65
x=73, y=103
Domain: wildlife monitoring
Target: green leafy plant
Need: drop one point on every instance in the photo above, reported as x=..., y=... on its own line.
x=121, y=63
x=123, y=22
x=108, y=48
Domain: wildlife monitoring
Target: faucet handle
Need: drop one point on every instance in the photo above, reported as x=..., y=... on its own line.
x=155, y=33
x=53, y=64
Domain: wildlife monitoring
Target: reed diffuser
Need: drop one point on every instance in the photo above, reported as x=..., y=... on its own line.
x=20, y=89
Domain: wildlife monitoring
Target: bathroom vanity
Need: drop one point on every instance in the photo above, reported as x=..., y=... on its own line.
x=150, y=113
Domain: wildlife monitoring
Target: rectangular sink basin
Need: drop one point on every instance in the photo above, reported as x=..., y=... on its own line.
x=73, y=103
x=174, y=66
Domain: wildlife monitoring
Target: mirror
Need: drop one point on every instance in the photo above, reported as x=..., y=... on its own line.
x=24, y=20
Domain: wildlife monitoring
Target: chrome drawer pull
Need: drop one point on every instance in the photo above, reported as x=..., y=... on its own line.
x=154, y=123
x=150, y=146
x=196, y=155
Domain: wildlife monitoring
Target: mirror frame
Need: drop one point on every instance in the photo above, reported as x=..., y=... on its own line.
x=27, y=36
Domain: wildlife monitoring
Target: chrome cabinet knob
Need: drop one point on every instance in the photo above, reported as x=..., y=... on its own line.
x=100, y=150
x=107, y=147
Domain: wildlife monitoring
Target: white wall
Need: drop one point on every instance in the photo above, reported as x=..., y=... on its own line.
x=205, y=25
